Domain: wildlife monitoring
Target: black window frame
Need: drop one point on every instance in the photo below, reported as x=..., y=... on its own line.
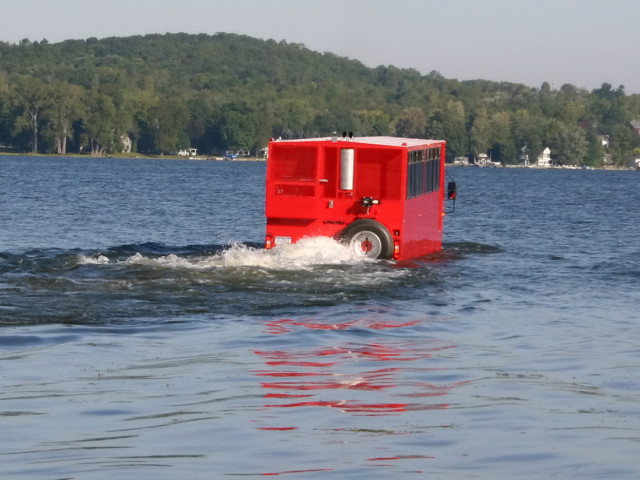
x=423, y=172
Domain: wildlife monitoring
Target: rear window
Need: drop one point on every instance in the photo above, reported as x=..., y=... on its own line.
x=293, y=163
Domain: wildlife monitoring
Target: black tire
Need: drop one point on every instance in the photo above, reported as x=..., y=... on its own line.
x=369, y=238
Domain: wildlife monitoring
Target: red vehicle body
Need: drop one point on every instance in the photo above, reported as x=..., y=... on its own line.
x=384, y=196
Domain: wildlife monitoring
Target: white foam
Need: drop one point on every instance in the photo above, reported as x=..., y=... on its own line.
x=98, y=259
x=171, y=261
x=306, y=253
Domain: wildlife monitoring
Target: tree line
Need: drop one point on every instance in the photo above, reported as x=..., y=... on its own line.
x=162, y=93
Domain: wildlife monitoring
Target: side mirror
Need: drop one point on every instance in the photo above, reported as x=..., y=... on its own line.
x=451, y=190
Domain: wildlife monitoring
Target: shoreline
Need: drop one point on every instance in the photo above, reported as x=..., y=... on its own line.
x=216, y=158
x=136, y=156
x=535, y=167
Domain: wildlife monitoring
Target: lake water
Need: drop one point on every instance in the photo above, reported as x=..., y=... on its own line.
x=144, y=333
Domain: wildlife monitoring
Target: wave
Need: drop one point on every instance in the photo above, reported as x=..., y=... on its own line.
x=306, y=253
x=140, y=284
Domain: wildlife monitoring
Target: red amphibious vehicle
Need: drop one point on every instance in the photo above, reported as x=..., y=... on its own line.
x=383, y=196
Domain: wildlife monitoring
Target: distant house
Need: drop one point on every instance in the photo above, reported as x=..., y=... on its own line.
x=608, y=160
x=604, y=141
x=127, y=144
x=544, y=159
x=634, y=162
x=236, y=153
x=635, y=125
x=188, y=152
x=483, y=160
x=523, y=156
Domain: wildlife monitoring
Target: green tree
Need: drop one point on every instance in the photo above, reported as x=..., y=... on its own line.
x=99, y=124
x=568, y=143
x=374, y=122
x=237, y=130
x=292, y=117
x=529, y=130
x=4, y=108
x=547, y=100
x=411, y=123
x=480, y=132
x=622, y=141
x=65, y=105
x=450, y=124
x=168, y=120
x=29, y=97
x=595, y=153
x=572, y=112
x=502, y=146
x=233, y=91
x=608, y=109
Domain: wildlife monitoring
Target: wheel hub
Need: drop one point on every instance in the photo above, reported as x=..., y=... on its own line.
x=366, y=246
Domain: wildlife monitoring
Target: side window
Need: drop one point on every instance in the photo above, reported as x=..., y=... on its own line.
x=416, y=173
x=423, y=172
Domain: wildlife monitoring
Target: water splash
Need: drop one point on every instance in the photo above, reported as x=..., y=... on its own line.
x=307, y=253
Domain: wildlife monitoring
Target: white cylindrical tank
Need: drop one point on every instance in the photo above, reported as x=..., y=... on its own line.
x=347, y=162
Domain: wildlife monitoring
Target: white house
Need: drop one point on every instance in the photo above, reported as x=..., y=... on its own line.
x=188, y=152
x=127, y=144
x=544, y=159
x=482, y=159
x=604, y=141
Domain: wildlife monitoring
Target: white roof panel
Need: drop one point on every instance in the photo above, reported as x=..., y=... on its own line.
x=382, y=141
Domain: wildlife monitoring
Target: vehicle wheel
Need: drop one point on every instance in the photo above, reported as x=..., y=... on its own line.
x=369, y=239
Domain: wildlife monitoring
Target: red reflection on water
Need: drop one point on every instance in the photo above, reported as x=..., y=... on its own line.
x=311, y=380
x=315, y=377
x=351, y=378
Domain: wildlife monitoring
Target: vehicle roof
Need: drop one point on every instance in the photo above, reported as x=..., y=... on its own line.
x=379, y=141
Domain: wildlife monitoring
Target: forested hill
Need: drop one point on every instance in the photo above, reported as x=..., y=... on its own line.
x=173, y=91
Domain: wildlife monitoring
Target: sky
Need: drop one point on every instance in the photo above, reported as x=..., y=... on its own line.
x=580, y=42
